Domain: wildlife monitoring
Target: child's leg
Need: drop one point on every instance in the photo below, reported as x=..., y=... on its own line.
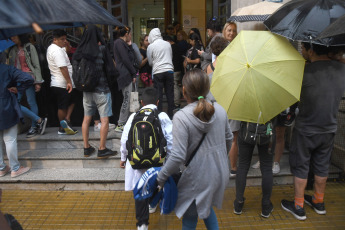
x=142, y=212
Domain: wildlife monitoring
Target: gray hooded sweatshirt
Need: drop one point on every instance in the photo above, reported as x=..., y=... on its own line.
x=159, y=53
x=207, y=175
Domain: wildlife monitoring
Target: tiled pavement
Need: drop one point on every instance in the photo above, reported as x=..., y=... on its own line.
x=115, y=210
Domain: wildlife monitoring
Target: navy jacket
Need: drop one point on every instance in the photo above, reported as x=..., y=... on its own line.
x=10, y=112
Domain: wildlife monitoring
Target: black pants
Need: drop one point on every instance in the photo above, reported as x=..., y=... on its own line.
x=142, y=211
x=245, y=157
x=165, y=80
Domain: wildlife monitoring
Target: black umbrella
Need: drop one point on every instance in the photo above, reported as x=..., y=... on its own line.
x=336, y=32
x=304, y=20
x=17, y=17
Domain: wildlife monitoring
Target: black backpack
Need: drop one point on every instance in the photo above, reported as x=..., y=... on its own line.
x=146, y=144
x=85, y=76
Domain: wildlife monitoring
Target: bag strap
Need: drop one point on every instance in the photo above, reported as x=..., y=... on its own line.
x=196, y=150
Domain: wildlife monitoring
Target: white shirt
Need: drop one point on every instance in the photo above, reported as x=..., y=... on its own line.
x=57, y=57
x=132, y=176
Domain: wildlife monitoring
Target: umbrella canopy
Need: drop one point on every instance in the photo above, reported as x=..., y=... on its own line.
x=257, y=76
x=304, y=20
x=18, y=16
x=4, y=44
x=256, y=12
x=336, y=32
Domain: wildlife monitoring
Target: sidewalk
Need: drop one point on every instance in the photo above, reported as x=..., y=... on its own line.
x=115, y=210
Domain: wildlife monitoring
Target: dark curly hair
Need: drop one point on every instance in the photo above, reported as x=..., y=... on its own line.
x=218, y=45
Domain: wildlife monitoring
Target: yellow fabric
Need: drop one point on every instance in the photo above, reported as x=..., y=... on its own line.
x=258, y=72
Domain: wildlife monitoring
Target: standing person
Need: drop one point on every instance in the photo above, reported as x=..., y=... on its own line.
x=203, y=182
x=182, y=41
x=92, y=47
x=246, y=145
x=214, y=30
x=124, y=59
x=145, y=69
x=159, y=56
x=149, y=101
x=11, y=80
x=315, y=126
x=196, y=30
x=61, y=81
x=24, y=56
x=193, y=59
x=230, y=31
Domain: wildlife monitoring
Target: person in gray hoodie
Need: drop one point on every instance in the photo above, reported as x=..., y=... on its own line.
x=203, y=182
x=159, y=56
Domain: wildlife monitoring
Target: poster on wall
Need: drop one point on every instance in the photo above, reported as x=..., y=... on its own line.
x=152, y=24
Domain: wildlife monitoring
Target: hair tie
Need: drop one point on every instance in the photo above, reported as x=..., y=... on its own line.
x=200, y=97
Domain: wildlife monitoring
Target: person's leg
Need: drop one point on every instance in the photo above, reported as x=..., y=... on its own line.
x=158, y=84
x=300, y=185
x=233, y=155
x=124, y=112
x=177, y=93
x=31, y=98
x=211, y=221
x=266, y=171
x=169, y=92
x=190, y=218
x=245, y=156
x=104, y=132
x=2, y=162
x=142, y=212
x=280, y=143
x=85, y=130
x=69, y=112
x=28, y=113
x=10, y=139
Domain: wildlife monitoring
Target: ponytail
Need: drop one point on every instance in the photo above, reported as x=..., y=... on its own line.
x=197, y=86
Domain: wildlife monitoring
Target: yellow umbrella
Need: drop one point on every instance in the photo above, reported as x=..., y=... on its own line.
x=257, y=76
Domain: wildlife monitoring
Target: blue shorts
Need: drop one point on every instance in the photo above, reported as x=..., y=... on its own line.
x=100, y=101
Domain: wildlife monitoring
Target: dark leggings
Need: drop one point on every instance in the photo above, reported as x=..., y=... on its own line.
x=245, y=157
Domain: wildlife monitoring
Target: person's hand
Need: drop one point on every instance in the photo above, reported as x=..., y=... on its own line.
x=134, y=80
x=123, y=164
x=37, y=87
x=129, y=42
x=69, y=87
x=188, y=60
x=13, y=90
x=200, y=52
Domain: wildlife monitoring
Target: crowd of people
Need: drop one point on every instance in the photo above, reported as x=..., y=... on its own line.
x=179, y=65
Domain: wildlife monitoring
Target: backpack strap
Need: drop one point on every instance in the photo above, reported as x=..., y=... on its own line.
x=195, y=150
x=212, y=67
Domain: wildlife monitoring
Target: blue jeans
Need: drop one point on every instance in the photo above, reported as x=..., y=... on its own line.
x=190, y=219
x=31, y=113
x=9, y=137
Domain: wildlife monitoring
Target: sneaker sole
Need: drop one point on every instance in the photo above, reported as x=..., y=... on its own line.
x=44, y=126
x=20, y=174
x=67, y=129
x=61, y=133
x=31, y=136
x=5, y=173
x=317, y=211
x=296, y=216
x=237, y=213
x=268, y=214
x=118, y=131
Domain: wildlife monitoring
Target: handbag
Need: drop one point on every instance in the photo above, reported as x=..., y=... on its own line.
x=134, y=105
x=178, y=175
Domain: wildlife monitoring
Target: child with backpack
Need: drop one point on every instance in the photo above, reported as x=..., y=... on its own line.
x=145, y=142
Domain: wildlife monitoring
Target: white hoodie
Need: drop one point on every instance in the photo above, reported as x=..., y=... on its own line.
x=159, y=53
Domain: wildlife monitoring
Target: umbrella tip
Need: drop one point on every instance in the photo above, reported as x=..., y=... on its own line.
x=248, y=66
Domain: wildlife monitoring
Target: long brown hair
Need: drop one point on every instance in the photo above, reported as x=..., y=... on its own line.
x=196, y=83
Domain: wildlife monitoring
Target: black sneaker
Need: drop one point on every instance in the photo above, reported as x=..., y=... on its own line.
x=88, y=151
x=289, y=206
x=319, y=208
x=266, y=210
x=42, y=126
x=238, y=206
x=105, y=153
x=32, y=132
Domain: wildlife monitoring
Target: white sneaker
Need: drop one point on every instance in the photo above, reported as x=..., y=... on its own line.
x=143, y=227
x=152, y=209
x=256, y=165
x=276, y=168
x=97, y=128
x=112, y=126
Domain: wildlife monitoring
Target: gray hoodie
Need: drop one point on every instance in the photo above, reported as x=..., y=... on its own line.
x=207, y=175
x=159, y=53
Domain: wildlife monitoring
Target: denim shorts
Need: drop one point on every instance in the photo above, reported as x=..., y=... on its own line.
x=100, y=101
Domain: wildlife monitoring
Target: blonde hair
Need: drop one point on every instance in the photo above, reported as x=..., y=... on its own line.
x=226, y=26
x=196, y=83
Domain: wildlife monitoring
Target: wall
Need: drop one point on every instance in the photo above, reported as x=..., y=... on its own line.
x=194, y=12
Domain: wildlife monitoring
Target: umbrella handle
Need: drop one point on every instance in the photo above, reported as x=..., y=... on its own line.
x=37, y=28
